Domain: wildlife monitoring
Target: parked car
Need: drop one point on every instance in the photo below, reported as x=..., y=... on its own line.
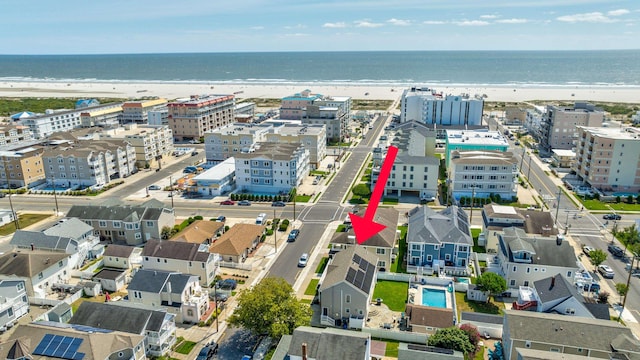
x=595, y=287
x=278, y=204
x=303, y=260
x=293, y=235
x=208, y=351
x=615, y=250
x=227, y=202
x=194, y=153
x=221, y=218
x=2, y=194
x=227, y=284
x=221, y=297
x=587, y=250
x=606, y=271
x=244, y=203
x=612, y=217
x=154, y=187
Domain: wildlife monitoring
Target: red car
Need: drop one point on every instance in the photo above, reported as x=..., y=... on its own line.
x=227, y=202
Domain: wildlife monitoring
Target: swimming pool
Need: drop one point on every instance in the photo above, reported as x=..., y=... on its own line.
x=434, y=297
x=623, y=194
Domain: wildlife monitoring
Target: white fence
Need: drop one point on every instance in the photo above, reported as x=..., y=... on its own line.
x=403, y=336
x=233, y=265
x=43, y=301
x=88, y=272
x=394, y=276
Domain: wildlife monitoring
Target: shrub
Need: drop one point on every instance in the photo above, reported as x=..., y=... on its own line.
x=198, y=217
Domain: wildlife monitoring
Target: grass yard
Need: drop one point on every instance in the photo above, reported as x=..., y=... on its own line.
x=184, y=346
x=303, y=198
x=462, y=304
x=390, y=201
x=392, y=348
x=392, y=293
x=24, y=220
x=598, y=205
x=322, y=265
x=396, y=267
x=477, y=248
x=311, y=288
x=100, y=298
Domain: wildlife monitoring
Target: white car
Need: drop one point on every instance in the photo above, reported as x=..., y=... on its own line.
x=606, y=271
x=303, y=260
x=587, y=250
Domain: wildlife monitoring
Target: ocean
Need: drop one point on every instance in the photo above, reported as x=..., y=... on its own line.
x=619, y=68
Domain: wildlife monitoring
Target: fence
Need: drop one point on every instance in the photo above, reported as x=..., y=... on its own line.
x=394, y=276
x=403, y=336
x=233, y=265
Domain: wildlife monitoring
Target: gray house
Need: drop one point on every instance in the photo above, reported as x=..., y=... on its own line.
x=111, y=279
x=158, y=327
x=381, y=244
x=438, y=241
x=120, y=256
x=118, y=222
x=346, y=288
x=325, y=344
x=13, y=301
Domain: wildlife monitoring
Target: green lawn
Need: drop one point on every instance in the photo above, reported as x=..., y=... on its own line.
x=392, y=293
x=341, y=228
x=184, y=347
x=476, y=247
x=390, y=201
x=24, y=220
x=311, y=288
x=322, y=265
x=492, y=307
x=598, y=205
x=392, y=348
x=303, y=198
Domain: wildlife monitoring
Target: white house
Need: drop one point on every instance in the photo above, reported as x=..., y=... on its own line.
x=179, y=294
x=13, y=301
x=39, y=269
x=185, y=257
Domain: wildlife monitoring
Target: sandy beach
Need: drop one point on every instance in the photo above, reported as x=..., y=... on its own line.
x=136, y=90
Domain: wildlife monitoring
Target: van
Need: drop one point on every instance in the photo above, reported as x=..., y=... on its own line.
x=260, y=220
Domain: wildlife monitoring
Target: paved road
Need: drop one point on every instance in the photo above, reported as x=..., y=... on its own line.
x=316, y=218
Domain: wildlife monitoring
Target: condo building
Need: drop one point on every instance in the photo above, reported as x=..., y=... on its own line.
x=151, y=143
x=138, y=111
x=190, y=119
x=15, y=135
x=558, y=128
x=426, y=105
x=608, y=159
x=21, y=168
x=483, y=173
x=315, y=109
x=470, y=140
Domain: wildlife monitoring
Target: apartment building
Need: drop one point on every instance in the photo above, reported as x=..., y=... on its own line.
x=426, y=105
x=416, y=168
x=102, y=117
x=608, y=159
x=190, y=119
x=138, y=111
x=159, y=115
x=231, y=139
x=334, y=118
x=558, y=128
x=293, y=107
x=480, y=174
x=22, y=168
x=151, y=143
x=89, y=163
x=471, y=140
x=272, y=168
x=121, y=223
x=15, y=135
x=43, y=125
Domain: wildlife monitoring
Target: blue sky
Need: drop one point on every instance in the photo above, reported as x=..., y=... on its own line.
x=160, y=26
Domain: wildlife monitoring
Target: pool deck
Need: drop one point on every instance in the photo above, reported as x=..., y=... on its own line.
x=415, y=294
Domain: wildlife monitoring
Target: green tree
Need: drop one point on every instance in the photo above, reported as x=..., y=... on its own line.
x=361, y=190
x=622, y=289
x=165, y=233
x=603, y=297
x=492, y=282
x=452, y=338
x=270, y=308
x=597, y=257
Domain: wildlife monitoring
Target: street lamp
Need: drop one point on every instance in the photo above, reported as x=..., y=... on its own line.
x=55, y=195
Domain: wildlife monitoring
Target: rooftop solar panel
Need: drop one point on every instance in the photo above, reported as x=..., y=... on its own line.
x=64, y=347
x=359, y=279
x=356, y=258
x=351, y=275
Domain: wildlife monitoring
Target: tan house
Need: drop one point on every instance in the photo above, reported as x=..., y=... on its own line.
x=428, y=319
x=346, y=287
x=237, y=243
x=381, y=244
x=21, y=168
x=200, y=232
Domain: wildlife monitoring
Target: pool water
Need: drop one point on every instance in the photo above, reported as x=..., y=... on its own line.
x=434, y=298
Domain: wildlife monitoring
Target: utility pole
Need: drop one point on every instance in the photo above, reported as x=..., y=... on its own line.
x=55, y=195
x=171, y=190
x=215, y=299
x=473, y=195
x=529, y=169
x=558, y=203
x=275, y=233
x=13, y=213
x=633, y=259
x=524, y=150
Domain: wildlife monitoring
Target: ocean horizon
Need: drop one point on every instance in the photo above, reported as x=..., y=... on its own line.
x=618, y=68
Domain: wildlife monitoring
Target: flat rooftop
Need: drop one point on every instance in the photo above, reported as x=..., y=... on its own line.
x=219, y=171
x=480, y=137
x=614, y=133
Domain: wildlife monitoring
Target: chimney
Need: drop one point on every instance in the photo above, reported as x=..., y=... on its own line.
x=304, y=351
x=553, y=282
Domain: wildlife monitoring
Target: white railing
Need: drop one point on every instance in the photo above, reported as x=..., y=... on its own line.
x=403, y=336
x=234, y=265
x=327, y=320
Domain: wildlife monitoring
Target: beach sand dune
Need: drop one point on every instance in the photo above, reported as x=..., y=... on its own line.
x=138, y=90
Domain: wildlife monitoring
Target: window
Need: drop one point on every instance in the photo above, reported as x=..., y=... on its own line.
x=514, y=269
x=138, y=236
x=102, y=223
x=347, y=299
x=512, y=283
x=117, y=224
x=380, y=251
x=149, y=223
x=526, y=283
x=40, y=276
x=60, y=263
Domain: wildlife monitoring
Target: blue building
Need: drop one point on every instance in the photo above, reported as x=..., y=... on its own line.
x=438, y=242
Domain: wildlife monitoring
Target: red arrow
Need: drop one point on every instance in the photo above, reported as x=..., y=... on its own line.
x=365, y=227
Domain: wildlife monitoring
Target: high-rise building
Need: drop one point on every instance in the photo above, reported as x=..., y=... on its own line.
x=425, y=105
x=558, y=128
